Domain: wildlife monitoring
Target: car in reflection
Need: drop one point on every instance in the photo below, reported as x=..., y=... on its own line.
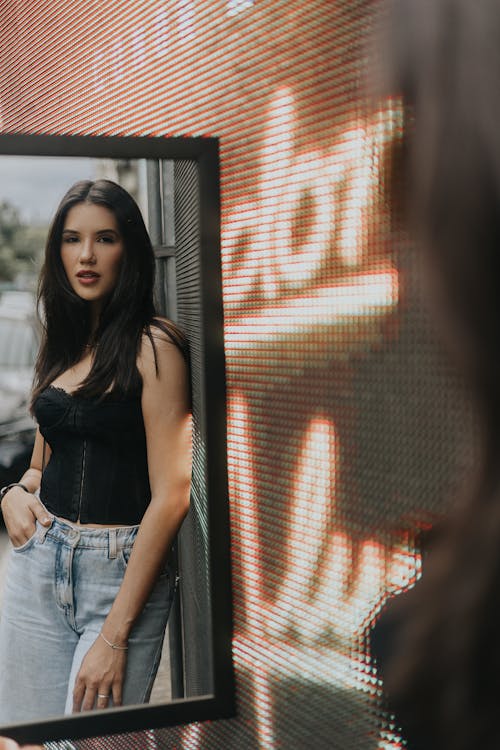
x=19, y=338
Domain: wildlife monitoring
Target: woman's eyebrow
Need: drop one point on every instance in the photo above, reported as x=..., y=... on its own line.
x=68, y=230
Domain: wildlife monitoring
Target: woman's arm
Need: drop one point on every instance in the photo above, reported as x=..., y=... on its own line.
x=21, y=509
x=167, y=421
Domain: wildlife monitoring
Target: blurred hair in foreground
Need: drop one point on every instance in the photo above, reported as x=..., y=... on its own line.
x=443, y=58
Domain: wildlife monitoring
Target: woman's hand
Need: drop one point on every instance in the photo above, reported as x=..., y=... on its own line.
x=20, y=511
x=100, y=678
x=7, y=744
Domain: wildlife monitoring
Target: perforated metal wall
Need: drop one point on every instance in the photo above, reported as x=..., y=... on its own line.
x=194, y=541
x=345, y=423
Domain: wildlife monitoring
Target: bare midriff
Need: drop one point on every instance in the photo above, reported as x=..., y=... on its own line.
x=77, y=524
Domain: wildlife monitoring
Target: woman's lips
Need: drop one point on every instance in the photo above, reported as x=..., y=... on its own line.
x=87, y=277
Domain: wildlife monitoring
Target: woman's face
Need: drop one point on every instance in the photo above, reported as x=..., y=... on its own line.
x=91, y=252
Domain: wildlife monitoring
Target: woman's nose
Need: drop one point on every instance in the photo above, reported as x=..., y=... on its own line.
x=87, y=254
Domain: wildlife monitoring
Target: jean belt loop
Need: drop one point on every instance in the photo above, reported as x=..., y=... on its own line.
x=112, y=544
x=42, y=531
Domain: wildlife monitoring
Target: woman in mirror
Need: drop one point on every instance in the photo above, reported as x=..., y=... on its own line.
x=89, y=582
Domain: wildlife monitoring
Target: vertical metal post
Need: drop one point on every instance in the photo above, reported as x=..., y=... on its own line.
x=160, y=192
x=168, y=222
x=154, y=201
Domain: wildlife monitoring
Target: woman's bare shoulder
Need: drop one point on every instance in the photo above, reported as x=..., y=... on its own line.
x=161, y=346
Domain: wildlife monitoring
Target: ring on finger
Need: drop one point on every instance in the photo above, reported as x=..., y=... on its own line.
x=100, y=695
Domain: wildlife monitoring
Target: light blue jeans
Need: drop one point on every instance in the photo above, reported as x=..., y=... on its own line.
x=59, y=588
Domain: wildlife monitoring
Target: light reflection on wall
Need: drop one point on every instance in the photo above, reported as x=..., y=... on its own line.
x=293, y=634
x=342, y=188
x=237, y=6
x=328, y=585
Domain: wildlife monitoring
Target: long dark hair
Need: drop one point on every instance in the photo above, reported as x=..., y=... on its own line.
x=443, y=57
x=128, y=314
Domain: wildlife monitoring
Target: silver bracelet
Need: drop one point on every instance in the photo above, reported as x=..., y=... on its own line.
x=113, y=645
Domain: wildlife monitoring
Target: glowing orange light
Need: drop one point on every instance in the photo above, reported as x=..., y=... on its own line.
x=313, y=495
x=344, y=180
x=367, y=296
x=290, y=636
x=329, y=586
x=244, y=521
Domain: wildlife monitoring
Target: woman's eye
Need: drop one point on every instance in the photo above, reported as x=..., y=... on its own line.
x=106, y=238
x=70, y=239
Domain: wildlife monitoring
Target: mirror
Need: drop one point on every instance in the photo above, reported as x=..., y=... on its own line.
x=176, y=184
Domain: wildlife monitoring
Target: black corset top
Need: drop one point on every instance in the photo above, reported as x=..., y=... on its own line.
x=97, y=471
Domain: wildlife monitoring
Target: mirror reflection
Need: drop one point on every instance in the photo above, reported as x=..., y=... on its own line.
x=96, y=482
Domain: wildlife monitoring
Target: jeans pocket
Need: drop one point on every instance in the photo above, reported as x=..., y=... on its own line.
x=166, y=570
x=124, y=556
x=28, y=543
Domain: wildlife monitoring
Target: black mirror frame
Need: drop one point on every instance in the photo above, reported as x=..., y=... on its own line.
x=221, y=703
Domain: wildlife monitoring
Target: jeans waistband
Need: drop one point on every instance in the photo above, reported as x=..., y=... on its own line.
x=111, y=539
